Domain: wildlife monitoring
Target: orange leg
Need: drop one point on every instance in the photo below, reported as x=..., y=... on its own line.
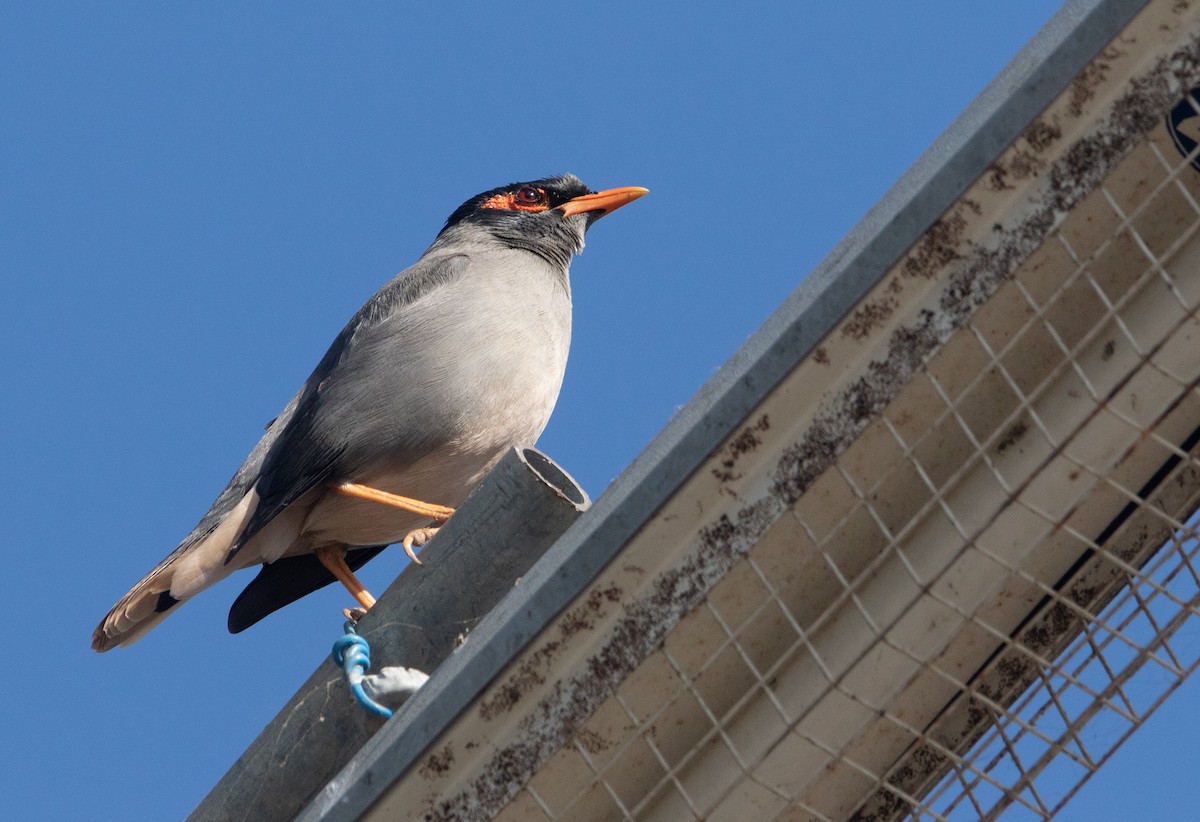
x=333, y=557
x=440, y=513
x=437, y=513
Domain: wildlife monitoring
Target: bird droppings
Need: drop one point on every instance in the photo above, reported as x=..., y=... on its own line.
x=1083, y=87
x=437, y=763
x=937, y=248
x=534, y=669
x=869, y=316
x=593, y=742
x=584, y=617
x=528, y=674
x=1020, y=166
x=973, y=269
x=744, y=443
x=1042, y=136
x=1012, y=436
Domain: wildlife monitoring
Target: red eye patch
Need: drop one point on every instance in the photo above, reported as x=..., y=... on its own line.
x=510, y=202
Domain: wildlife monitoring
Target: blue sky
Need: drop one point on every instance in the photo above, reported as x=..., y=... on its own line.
x=197, y=196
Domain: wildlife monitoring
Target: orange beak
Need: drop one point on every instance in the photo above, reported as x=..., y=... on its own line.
x=603, y=201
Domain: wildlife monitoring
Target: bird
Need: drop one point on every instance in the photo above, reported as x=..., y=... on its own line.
x=452, y=362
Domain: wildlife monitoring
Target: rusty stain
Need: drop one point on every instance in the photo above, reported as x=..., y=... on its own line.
x=562, y=712
x=820, y=355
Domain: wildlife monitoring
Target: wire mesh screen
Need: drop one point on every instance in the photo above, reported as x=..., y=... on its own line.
x=988, y=591
x=1038, y=751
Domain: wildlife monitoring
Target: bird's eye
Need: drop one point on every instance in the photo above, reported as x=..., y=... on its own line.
x=529, y=195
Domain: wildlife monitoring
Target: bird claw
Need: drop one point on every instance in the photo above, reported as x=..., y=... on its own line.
x=417, y=537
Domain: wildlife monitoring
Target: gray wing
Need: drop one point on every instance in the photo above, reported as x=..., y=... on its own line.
x=308, y=451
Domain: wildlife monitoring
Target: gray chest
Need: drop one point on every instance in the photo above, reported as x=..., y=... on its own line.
x=476, y=364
